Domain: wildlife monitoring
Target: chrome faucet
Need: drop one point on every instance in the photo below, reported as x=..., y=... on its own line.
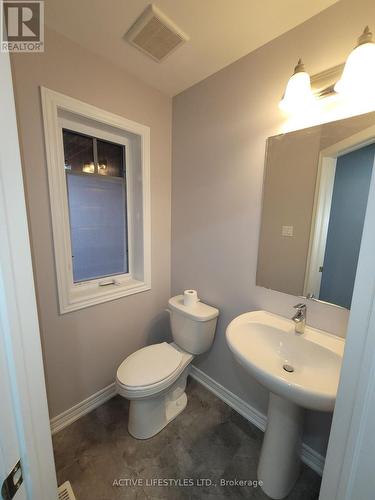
x=300, y=318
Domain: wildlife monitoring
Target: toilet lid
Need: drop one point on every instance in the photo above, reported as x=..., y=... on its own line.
x=149, y=365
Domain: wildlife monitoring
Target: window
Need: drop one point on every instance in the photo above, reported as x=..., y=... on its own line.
x=98, y=171
x=96, y=183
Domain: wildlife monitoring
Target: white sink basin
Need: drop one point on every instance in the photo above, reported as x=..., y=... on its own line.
x=300, y=371
x=263, y=343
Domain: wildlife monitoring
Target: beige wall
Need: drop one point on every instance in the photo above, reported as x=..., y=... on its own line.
x=220, y=127
x=83, y=349
x=291, y=168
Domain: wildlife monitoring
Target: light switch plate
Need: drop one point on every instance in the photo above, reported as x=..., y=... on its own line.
x=287, y=231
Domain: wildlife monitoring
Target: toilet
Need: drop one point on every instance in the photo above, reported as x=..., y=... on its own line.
x=154, y=377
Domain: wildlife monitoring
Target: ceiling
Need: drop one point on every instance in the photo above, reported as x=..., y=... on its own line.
x=221, y=31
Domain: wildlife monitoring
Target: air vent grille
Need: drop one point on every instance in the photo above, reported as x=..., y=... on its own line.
x=65, y=492
x=155, y=34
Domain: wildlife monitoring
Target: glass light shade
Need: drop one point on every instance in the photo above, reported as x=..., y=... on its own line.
x=358, y=78
x=359, y=72
x=298, y=94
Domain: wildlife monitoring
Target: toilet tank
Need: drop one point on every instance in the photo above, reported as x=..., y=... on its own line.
x=193, y=327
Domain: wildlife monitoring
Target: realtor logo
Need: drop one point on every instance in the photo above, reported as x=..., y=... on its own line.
x=22, y=26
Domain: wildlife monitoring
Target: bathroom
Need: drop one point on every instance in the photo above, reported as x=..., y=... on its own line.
x=199, y=123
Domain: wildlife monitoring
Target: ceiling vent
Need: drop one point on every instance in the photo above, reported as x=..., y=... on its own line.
x=155, y=34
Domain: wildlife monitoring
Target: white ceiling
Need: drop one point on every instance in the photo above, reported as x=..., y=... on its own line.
x=221, y=31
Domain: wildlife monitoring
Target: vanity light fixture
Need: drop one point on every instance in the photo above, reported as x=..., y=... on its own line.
x=359, y=72
x=354, y=80
x=298, y=94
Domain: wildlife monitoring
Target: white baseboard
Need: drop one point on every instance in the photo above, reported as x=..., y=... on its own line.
x=79, y=410
x=309, y=456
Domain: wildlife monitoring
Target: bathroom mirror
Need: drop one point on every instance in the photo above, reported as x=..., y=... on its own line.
x=315, y=194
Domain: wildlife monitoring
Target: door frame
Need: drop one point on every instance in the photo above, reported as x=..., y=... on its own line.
x=319, y=225
x=19, y=318
x=348, y=471
x=322, y=204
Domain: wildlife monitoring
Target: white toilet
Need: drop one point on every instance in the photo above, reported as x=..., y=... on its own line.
x=154, y=377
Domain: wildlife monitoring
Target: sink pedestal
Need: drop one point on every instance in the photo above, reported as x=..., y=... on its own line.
x=279, y=462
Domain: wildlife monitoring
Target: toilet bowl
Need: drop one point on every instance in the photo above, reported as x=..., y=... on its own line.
x=153, y=378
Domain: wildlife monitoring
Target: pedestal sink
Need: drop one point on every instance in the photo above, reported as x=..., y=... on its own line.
x=300, y=371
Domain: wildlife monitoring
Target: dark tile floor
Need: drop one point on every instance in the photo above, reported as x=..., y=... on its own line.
x=207, y=441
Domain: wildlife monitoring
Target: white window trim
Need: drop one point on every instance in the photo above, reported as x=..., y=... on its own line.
x=74, y=296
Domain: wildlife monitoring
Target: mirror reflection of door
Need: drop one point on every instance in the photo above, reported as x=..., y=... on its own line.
x=315, y=192
x=348, y=207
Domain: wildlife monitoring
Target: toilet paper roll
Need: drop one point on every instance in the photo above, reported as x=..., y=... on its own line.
x=190, y=298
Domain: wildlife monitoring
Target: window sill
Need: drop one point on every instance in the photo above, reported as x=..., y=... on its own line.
x=81, y=296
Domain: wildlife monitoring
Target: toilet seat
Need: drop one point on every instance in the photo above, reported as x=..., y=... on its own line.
x=151, y=369
x=149, y=365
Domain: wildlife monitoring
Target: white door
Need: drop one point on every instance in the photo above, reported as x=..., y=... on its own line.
x=24, y=422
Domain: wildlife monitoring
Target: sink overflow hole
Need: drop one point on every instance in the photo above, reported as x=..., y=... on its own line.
x=288, y=368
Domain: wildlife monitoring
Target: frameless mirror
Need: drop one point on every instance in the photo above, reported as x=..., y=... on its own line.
x=315, y=192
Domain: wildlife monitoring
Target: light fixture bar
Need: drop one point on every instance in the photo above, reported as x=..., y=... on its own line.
x=355, y=78
x=322, y=83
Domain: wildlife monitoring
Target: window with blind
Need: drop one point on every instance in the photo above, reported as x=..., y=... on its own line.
x=96, y=187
